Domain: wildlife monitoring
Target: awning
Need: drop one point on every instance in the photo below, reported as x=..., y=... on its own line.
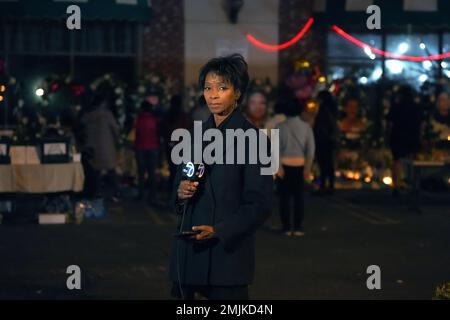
x=394, y=13
x=126, y=10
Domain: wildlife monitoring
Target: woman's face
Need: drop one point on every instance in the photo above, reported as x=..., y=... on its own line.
x=257, y=106
x=352, y=108
x=220, y=95
x=443, y=104
x=153, y=100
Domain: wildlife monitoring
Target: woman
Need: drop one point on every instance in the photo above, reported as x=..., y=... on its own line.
x=227, y=206
x=297, y=149
x=441, y=119
x=102, y=134
x=352, y=126
x=175, y=118
x=404, y=128
x=325, y=132
x=256, y=109
x=146, y=146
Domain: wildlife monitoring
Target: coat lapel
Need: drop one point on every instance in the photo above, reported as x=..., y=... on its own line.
x=234, y=121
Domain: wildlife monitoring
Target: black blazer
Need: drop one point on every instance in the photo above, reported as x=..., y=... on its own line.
x=235, y=199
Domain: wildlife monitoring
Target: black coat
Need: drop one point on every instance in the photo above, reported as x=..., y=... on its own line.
x=235, y=199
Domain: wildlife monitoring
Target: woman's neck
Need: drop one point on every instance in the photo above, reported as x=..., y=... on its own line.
x=257, y=122
x=220, y=117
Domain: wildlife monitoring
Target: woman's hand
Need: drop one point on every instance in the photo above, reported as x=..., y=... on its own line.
x=186, y=189
x=280, y=172
x=206, y=233
x=306, y=174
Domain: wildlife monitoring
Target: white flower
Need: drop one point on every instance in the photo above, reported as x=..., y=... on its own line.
x=107, y=76
x=141, y=89
x=20, y=103
x=25, y=120
x=78, y=107
x=154, y=79
x=119, y=102
x=12, y=81
x=118, y=90
x=45, y=103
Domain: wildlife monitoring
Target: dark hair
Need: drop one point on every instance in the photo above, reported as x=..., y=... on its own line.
x=288, y=104
x=405, y=95
x=146, y=106
x=104, y=93
x=349, y=98
x=176, y=107
x=154, y=91
x=249, y=95
x=253, y=92
x=232, y=68
x=327, y=103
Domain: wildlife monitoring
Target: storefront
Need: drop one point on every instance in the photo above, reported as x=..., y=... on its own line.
x=110, y=30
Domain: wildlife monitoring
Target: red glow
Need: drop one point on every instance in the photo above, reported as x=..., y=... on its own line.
x=77, y=90
x=282, y=46
x=54, y=87
x=363, y=45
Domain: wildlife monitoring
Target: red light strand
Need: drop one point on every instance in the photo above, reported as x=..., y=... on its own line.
x=363, y=45
x=282, y=46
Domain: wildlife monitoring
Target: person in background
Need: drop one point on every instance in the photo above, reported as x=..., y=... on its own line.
x=325, y=135
x=256, y=109
x=297, y=149
x=441, y=118
x=175, y=118
x=154, y=99
x=352, y=126
x=147, y=147
x=404, y=130
x=101, y=137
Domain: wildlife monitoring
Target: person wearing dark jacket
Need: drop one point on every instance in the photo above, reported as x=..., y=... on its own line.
x=227, y=206
x=147, y=145
x=325, y=135
x=175, y=118
x=404, y=129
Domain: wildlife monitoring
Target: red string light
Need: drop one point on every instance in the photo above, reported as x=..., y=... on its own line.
x=363, y=45
x=282, y=46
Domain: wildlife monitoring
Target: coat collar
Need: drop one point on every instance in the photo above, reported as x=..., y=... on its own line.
x=234, y=121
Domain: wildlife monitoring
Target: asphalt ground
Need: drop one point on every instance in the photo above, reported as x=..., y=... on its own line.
x=126, y=255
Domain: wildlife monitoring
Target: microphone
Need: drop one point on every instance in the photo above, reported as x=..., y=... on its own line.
x=193, y=172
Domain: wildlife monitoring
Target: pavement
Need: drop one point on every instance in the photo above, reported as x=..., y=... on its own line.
x=126, y=255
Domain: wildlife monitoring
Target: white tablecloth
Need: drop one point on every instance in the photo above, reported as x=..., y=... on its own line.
x=41, y=178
